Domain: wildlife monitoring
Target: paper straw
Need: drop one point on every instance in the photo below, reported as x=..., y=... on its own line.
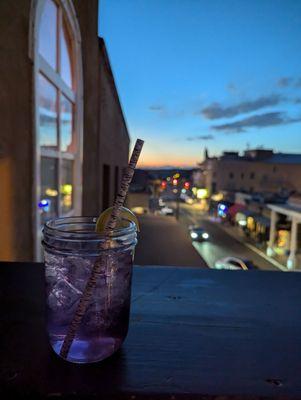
x=110, y=226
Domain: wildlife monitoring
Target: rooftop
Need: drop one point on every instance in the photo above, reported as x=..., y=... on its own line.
x=262, y=155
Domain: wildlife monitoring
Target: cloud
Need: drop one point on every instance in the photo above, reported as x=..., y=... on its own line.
x=285, y=81
x=156, y=107
x=201, y=137
x=256, y=121
x=216, y=111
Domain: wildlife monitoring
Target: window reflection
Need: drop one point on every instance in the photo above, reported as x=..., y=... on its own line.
x=56, y=135
x=66, y=116
x=65, y=46
x=48, y=204
x=47, y=114
x=48, y=33
x=66, y=190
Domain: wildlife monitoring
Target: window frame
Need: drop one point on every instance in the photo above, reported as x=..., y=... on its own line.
x=75, y=95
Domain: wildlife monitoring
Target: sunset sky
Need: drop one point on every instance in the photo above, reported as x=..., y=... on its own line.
x=221, y=74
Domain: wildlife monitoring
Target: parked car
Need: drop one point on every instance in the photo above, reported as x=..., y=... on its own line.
x=234, y=263
x=197, y=233
x=167, y=211
x=161, y=202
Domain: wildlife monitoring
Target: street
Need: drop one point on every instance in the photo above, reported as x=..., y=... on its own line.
x=220, y=244
x=164, y=241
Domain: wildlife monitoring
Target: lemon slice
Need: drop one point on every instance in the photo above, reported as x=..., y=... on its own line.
x=105, y=216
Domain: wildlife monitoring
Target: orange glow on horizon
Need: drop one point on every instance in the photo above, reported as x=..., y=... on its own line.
x=163, y=155
x=162, y=165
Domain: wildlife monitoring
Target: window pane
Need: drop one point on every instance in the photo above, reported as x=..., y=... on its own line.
x=48, y=204
x=47, y=114
x=67, y=142
x=65, y=45
x=48, y=33
x=66, y=186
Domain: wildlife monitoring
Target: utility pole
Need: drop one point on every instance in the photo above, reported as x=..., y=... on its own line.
x=178, y=205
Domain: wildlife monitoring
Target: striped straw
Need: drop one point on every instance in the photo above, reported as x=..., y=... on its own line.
x=110, y=226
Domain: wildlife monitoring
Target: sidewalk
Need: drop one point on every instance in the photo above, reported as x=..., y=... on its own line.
x=278, y=260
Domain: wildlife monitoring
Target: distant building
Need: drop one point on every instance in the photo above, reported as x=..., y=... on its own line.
x=63, y=137
x=257, y=171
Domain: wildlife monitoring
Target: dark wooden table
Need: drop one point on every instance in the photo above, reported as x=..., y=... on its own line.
x=194, y=334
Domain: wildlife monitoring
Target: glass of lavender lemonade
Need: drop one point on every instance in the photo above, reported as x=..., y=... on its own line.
x=71, y=249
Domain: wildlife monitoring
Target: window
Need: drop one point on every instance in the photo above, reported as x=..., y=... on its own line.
x=231, y=175
x=274, y=169
x=252, y=175
x=58, y=110
x=242, y=175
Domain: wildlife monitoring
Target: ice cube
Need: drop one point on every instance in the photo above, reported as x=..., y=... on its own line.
x=78, y=270
x=63, y=295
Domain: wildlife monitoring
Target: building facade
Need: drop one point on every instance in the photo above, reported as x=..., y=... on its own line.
x=63, y=140
x=257, y=171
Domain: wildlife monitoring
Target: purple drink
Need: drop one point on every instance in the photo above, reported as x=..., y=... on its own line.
x=71, y=249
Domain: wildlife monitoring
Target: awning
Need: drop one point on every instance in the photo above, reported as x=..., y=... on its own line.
x=233, y=210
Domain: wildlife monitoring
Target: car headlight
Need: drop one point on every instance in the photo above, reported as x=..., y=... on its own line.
x=205, y=235
x=193, y=235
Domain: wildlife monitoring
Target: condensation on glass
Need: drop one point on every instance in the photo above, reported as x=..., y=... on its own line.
x=56, y=110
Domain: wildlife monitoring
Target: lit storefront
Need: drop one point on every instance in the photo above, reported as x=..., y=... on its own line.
x=284, y=240
x=254, y=225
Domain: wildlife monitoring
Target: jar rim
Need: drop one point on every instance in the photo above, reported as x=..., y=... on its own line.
x=59, y=227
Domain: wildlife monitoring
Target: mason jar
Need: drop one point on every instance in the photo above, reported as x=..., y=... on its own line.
x=71, y=249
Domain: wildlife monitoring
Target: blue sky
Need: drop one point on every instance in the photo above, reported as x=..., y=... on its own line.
x=219, y=74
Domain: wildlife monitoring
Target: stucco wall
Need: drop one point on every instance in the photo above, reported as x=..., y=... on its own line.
x=113, y=152
x=87, y=14
x=106, y=140
x=105, y=136
x=267, y=177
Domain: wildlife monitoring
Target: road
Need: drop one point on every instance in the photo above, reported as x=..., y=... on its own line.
x=221, y=244
x=164, y=241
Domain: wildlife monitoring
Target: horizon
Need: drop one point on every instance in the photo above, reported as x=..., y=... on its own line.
x=221, y=75
x=240, y=153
